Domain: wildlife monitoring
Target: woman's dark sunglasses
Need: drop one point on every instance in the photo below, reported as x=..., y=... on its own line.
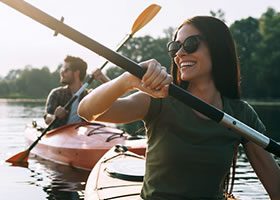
x=190, y=45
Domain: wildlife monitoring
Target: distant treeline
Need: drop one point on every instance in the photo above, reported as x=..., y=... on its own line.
x=257, y=40
x=29, y=82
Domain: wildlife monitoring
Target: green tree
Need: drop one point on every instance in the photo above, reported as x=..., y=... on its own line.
x=247, y=37
x=145, y=48
x=29, y=83
x=32, y=82
x=268, y=54
x=114, y=71
x=258, y=44
x=220, y=14
x=4, y=88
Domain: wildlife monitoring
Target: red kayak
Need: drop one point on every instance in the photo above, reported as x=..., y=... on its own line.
x=81, y=145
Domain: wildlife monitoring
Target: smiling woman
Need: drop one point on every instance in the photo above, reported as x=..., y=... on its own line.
x=212, y=78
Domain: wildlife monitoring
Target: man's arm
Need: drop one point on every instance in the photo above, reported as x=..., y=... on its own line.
x=53, y=110
x=98, y=75
x=60, y=113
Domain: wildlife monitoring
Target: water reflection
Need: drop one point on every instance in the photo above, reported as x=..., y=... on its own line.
x=247, y=185
x=15, y=184
x=58, y=181
x=42, y=179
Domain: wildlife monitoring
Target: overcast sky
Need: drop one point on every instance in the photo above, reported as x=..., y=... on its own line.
x=26, y=42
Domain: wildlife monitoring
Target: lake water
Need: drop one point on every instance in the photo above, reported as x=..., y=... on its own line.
x=44, y=180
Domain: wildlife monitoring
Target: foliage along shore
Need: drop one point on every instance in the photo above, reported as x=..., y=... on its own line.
x=257, y=42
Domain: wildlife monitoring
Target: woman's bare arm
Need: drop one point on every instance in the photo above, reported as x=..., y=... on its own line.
x=266, y=169
x=104, y=103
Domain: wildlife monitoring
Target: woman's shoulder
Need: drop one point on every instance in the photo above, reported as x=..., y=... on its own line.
x=238, y=105
x=243, y=111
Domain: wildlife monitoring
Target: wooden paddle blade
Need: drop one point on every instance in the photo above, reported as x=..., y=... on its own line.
x=146, y=16
x=19, y=159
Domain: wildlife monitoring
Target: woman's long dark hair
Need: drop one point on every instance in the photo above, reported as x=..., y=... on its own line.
x=225, y=65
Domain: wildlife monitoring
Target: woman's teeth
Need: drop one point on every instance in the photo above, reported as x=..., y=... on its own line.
x=187, y=64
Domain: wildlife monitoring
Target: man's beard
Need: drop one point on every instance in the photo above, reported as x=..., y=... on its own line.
x=63, y=82
x=66, y=81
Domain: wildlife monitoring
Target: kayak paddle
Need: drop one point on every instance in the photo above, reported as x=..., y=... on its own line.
x=145, y=17
x=20, y=159
x=135, y=69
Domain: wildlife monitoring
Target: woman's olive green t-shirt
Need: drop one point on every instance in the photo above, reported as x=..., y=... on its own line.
x=188, y=157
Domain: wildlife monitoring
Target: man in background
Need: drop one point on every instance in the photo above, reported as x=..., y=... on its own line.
x=72, y=75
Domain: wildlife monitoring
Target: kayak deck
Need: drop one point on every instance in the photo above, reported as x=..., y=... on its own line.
x=120, y=182
x=109, y=185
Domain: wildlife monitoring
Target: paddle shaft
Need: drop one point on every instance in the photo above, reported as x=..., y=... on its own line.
x=118, y=48
x=132, y=67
